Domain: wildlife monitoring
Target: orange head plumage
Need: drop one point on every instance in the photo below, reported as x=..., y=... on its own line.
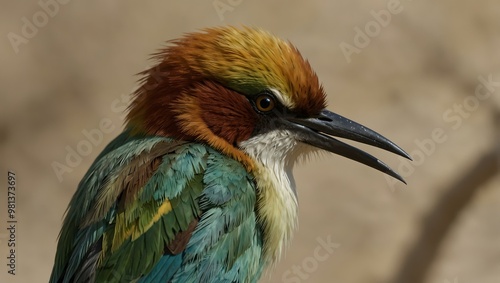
x=203, y=84
x=224, y=86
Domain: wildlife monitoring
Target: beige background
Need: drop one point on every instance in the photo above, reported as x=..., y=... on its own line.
x=78, y=66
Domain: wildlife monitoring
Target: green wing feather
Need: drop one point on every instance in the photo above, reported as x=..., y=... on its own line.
x=134, y=183
x=152, y=209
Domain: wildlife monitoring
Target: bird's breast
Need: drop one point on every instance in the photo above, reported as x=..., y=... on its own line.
x=276, y=210
x=276, y=198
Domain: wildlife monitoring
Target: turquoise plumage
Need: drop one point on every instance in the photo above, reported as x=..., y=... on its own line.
x=198, y=188
x=201, y=184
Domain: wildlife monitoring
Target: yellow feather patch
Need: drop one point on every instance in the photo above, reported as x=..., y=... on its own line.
x=125, y=229
x=165, y=208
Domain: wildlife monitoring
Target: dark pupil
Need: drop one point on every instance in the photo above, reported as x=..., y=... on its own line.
x=265, y=103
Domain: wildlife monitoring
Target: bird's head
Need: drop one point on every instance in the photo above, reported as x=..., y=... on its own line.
x=248, y=94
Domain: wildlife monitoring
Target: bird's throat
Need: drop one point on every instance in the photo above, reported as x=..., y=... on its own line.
x=277, y=208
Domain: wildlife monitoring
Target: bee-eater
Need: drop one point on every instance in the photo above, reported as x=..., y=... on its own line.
x=198, y=187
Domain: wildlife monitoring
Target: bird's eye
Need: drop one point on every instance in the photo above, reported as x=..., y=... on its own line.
x=264, y=103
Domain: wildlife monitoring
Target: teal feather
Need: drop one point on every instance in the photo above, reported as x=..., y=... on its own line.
x=110, y=159
x=126, y=240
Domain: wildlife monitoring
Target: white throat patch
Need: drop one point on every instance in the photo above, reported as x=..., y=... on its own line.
x=275, y=153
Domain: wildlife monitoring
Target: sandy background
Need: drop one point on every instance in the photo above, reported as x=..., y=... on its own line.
x=78, y=68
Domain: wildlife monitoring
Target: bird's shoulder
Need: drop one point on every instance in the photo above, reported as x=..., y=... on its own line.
x=141, y=199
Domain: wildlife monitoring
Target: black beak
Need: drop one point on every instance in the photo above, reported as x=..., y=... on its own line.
x=318, y=131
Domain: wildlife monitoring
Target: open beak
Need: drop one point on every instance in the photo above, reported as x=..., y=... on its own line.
x=318, y=132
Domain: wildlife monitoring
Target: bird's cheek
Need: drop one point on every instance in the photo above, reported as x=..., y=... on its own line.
x=233, y=124
x=213, y=111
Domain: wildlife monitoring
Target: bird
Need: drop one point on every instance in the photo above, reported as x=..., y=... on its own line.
x=199, y=187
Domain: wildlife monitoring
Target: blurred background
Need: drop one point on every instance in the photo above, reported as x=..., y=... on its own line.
x=426, y=74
